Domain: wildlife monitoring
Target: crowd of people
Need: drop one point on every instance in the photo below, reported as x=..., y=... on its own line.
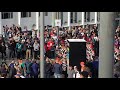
x=23, y=48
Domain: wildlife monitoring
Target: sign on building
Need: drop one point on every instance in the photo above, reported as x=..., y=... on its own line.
x=58, y=22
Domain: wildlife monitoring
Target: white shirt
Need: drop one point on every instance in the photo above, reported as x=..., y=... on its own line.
x=77, y=75
x=33, y=33
x=36, y=47
x=96, y=38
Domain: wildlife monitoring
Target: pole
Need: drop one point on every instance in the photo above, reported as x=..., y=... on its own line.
x=42, y=44
x=69, y=20
x=83, y=18
x=96, y=18
x=17, y=18
x=58, y=36
x=36, y=23
x=106, y=52
x=53, y=19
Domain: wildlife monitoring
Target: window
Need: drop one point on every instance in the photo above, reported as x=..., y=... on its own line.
x=71, y=17
x=46, y=13
x=25, y=14
x=75, y=17
x=57, y=15
x=7, y=15
x=118, y=14
x=98, y=16
x=87, y=16
x=61, y=17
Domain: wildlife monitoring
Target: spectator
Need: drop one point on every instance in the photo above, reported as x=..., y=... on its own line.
x=28, y=51
x=23, y=72
x=11, y=48
x=19, y=75
x=64, y=69
x=76, y=73
x=95, y=67
x=57, y=69
x=48, y=69
x=35, y=69
x=28, y=69
x=70, y=72
x=50, y=44
x=84, y=67
x=36, y=47
x=84, y=74
x=12, y=70
x=24, y=49
x=19, y=49
x=3, y=70
x=117, y=68
x=3, y=51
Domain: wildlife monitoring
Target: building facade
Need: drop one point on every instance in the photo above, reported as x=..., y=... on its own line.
x=30, y=18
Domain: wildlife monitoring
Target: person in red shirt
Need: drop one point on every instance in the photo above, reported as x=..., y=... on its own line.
x=50, y=48
x=50, y=44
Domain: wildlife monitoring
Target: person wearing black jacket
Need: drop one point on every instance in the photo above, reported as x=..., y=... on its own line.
x=24, y=49
x=48, y=69
x=11, y=48
x=3, y=51
x=12, y=70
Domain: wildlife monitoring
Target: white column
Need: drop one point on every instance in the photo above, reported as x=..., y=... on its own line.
x=17, y=18
x=57, y=13
x=83, y=18
x=106, y=47
x=1, y=32
x=96, y=18
x=37, y=23
x=69, y=20
x=53, y=19
x=37, y=20
x=42, y=61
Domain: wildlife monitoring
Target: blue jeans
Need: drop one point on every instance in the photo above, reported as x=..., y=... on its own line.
x=47, y=75
x=57, y=75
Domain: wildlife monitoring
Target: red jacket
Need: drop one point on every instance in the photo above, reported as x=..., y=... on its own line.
x=50, y=44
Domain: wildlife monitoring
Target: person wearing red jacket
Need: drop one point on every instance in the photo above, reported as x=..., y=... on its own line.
x=50, y=48
x=50, y=44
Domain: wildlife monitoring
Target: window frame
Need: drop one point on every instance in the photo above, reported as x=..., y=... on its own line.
x=25, y=14
x=9, y=15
